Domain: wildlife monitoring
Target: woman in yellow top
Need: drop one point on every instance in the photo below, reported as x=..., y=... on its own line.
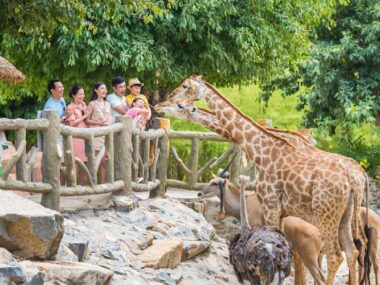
x=134, y=86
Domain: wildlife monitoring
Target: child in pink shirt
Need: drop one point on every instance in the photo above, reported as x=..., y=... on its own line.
x=139, y=114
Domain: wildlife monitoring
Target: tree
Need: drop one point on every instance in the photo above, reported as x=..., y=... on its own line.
x=230, y=41
x=340, y=79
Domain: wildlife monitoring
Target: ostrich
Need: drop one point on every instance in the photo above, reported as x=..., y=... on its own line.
x=261, y=253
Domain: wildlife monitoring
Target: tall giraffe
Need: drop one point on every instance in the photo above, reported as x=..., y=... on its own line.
x=289, y=183
x=358, y=177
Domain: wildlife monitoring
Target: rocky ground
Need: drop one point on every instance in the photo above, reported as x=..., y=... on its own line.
x=134, y=241
x=119, y=239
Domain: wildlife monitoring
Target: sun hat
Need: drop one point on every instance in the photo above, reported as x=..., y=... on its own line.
x=134, y=81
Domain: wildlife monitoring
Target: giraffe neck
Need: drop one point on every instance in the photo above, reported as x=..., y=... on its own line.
x=258, y=143
x=209, y=121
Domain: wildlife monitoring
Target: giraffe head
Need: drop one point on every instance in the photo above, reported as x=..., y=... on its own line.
x=183, y=97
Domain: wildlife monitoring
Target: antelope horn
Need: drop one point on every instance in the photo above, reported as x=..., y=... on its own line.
x=227, y=166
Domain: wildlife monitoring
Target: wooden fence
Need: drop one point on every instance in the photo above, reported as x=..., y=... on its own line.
x=133, y=162
x=192, y=169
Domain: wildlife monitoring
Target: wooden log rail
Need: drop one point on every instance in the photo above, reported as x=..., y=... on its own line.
x=125, y=154
x=193, y=172
x=19, y=159
x=129, y=156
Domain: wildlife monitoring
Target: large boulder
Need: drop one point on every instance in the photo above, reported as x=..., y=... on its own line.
x=27, y=229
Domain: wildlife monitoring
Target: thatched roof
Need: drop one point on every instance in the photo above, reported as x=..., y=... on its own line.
x=8, y=72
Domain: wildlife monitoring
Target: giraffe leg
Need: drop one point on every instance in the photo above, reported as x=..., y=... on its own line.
x=272, y=212
x=346, y=241
x=329, y=227
x=334, y=260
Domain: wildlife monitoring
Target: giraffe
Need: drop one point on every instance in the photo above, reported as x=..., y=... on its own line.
x=357, y=175
x=289, y=183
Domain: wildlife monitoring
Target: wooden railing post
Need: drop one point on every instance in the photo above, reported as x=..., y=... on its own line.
x=162, y=167
x=123, y=154
x=193, y=164
x=145, y=151
x=71, y=173
x=109, y=164
x=135, y=156
x=51, y=160
x=21, y=163
x=90, y=153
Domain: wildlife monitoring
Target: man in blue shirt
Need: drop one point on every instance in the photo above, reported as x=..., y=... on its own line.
x=56, y=101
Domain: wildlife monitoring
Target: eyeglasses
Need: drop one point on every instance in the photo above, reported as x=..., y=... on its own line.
x=136, y=86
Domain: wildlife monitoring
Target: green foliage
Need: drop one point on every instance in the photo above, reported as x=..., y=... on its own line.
x=83, y=41
x=341, y=74
x=362, y=144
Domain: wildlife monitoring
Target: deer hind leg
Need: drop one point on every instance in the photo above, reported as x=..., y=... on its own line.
x=310, y=258
x=358, y=234
x=346, y=240
x=299, y=270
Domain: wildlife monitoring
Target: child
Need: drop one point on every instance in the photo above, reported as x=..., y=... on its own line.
x=134, y=86
x=139, y=114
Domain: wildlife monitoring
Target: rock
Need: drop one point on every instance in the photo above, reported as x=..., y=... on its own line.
x=73, y=273
x=166, y=278
x=124, y=203
x=198, y=207
x=193, y=248
x=79, y=249
x=28, y=229
x=6, y=257
x=37, y=279
x=65, y=254
x=11, y=273
x=163, y=254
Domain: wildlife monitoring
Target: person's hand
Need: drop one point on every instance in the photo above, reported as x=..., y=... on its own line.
x=105, y=122
x=85, y=115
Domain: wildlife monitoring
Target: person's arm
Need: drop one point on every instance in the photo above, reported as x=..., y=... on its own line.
x=108, y=120
x=76, y=122
x=149, y=114
x=121, y=109
x=89, y=121
x=144, y=112
x=147, y=107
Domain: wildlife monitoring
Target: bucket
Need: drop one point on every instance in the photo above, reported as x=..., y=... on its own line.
x=164, y=123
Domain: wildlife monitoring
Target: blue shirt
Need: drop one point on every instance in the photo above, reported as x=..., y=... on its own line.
x=55, y=104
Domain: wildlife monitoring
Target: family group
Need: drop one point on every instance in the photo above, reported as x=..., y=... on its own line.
x=101, y=110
